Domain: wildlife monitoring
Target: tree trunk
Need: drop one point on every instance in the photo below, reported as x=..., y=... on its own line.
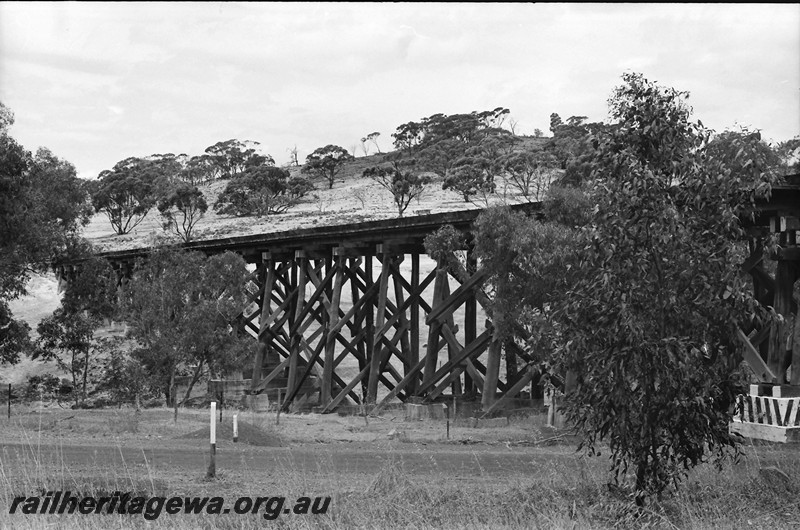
x=74, y=373
x=641, y=482
x=511, y=364
x=85, y=373
x=171, y=390
x=195, y=376
x=172, y=397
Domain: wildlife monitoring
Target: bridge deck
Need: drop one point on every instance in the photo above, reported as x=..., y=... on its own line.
x=785, y=201
x=409, y=230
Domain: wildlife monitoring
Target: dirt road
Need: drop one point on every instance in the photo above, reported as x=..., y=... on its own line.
x=345, y=458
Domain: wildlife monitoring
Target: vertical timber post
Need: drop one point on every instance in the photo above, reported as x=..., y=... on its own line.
x=414, y=351
x=470, y=319
x=405, y=342
x=781, y=351
x=450, y=323
x=759, y=289
x=261, y=352
x=795, y=380
x=784, y=281
x=293, y=309
x=493, y=362
x=369, y=314
x=380, y=318
x=359, y=323
x=330, y=335
x=511, y=365
x=301, y=262
x=432, y=351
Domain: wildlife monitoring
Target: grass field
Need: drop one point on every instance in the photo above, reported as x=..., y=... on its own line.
x=380, y=472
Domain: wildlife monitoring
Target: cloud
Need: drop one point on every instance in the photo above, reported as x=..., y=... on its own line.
x=137, y=78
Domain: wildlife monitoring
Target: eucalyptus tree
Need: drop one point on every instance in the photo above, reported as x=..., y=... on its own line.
x=126, y=193
x=647, y=327
x=67, y=337
x=234, y=156
x=327, y=162
x=404, y=186
x=43, y=205
x=182, y=206
x=179, y=307
x=262, y=190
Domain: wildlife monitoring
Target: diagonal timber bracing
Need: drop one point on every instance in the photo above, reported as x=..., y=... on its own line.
x=348, y=326
x=340, y=315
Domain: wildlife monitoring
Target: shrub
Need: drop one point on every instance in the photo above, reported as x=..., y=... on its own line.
x=45, y=387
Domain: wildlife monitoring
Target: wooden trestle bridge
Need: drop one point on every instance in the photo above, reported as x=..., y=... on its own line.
x=360, y=311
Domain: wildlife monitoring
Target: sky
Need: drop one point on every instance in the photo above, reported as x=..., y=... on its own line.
x=99, y=82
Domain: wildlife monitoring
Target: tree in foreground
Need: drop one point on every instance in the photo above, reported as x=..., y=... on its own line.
x=531, y=263
x=67, y=336
x=43, y=204
x=403, y=185
x=649, y=324
x=14, y=336
x=181, y=207
x=179, y=306
x=327, y=162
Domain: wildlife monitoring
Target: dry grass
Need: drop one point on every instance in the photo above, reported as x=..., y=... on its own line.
x=564, y=490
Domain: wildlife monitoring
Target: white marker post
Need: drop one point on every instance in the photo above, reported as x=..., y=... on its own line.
x=212, y=466
x=235, y=427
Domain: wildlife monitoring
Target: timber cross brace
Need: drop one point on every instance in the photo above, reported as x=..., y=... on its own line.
x=354, y=319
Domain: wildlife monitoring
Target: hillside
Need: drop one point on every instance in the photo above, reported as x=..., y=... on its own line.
x=352, y=199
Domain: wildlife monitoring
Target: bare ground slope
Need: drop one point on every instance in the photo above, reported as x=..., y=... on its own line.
x=353, y=198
